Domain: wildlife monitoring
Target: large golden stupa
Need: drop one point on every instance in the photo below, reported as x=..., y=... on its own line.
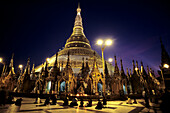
x=78, y=46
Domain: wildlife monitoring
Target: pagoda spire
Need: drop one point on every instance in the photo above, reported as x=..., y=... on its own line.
x=56, y=62
x=33, y=69
x=165, y=59
x=11, y=65
x=116, y=70
x=33, y=72
x=133, y=63
x=27, y=69
x=122, y=70
x=127, y=73
x=95, y=63
x=46, y=69
x=78, y=25
x=143, y=72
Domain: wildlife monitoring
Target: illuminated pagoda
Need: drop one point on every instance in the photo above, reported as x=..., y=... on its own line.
x=78, y=46
x=75, y=76
x=77, y=69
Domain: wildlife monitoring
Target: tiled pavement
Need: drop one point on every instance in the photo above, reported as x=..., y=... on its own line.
x=112, y=107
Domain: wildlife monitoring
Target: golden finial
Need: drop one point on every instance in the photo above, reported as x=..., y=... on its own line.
x=78, y=9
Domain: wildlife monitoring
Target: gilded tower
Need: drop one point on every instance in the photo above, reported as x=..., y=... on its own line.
x=78, y=46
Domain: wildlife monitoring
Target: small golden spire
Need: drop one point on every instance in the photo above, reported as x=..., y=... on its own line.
x=78, y=9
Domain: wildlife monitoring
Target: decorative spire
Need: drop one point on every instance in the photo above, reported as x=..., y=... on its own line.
x=78, y=9
x=95, y=67
x=130, y=73
x=11, y=65
x=127, y=73
x=27, y=69
x=3, y=71
x=46, y=69
x=78, y=25
x=33, y=72
x=116, y=70
x=147, y=69
x=143, y=72
x=68, y=60
x=165, y=59
x=33, y=69
x=137, y=69
x=133, y=63
x=95, y=63
x=56, y=63
x=56, y=69
x=122, y=70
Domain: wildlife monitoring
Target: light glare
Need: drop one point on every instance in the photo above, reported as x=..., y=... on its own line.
x=136, y=68
x=100, y=42
x=1, y=59
x=166, y=66
x=108, y=42
x=110, y=60
x=20, y=66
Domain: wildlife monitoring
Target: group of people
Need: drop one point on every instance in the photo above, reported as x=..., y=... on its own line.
x=89, y=104
x=73, y=103
x=47, y=100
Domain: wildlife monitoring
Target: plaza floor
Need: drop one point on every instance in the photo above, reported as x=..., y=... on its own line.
x=112, y=107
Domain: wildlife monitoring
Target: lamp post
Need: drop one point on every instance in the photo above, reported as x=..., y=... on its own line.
x=165, y=66
x=103, y=45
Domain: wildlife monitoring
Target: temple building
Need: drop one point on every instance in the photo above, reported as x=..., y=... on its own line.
x=77, y=69
x=79, y=47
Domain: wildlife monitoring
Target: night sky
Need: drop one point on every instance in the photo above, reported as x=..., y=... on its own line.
x=39, y=29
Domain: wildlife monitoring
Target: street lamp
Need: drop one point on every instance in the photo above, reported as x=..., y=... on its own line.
x=110, y=60
x=166, y=66
x=103, y=44
x=1, y=59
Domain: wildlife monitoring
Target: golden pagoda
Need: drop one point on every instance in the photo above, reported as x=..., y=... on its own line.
x=78, y=46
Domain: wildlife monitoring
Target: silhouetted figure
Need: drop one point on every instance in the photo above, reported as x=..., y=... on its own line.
x=37, y=100
x=146, y=100
x=165, y=102
x=47, y=101
x=54, y=100
x=10, y=98
x=99, y=105
x=18, y=104
x=134, y=102
x=89, y=104
x=65, y=102
x=104, y=101
x=74, y=102
x=3, y=96
x=81, y=102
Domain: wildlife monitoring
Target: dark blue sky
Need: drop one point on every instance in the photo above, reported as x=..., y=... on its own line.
x=39, y=29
